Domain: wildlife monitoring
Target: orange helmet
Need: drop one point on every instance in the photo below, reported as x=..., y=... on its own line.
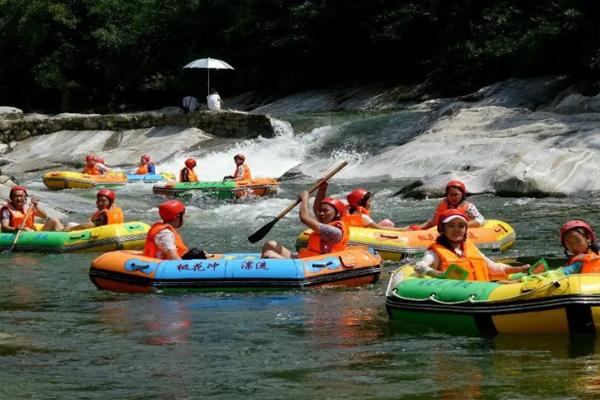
x=109, y=194
x=337, y=204
x=577, y=223
x=15, y=188
x=171, y=210
x=356, y=196
x=145, y=158
x=240, y=156
x=190, y=163
x=457, y=184
x=449, y=215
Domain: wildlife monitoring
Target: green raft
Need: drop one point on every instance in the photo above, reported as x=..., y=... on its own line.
x=227, y=189
x=129, y=235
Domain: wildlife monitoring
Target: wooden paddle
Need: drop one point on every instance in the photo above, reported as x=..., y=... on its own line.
x=14, y=243
x=262, y=232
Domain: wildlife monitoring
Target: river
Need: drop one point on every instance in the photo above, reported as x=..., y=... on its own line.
x=61, y=337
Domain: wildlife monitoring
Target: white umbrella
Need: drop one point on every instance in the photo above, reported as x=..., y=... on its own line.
x=208, y=64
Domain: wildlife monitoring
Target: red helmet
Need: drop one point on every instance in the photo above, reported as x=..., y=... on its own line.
x=171, y=210
x=356, y=196
x=337, y=204
x=145, y=158
x=190, y=163
x=577, y=223
x=446, y=217
x=15, y=188
x=240, y=156
x=457, y=184
x=100, y=159
x=109, y=194
x=89, y=157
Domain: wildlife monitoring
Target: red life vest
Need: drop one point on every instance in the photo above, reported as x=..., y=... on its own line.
x=314, y=242
x=472, y=260
x=150, y=248
x=444, y=205
x=356, y=218
x=93, y=170
x=246, y=175
x=190, y=173
x=114, y=215
x=590, y=261
x=142, y=170
x=17, y=216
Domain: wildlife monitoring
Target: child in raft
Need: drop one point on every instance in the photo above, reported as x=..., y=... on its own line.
x=579, y=241
x=456, y=193
x=146, y=166
x=359, y=211
x=107, y=212
x=454, y=247
x=330, y=233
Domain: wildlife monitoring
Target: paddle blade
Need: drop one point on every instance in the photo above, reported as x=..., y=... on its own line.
x=262, y=232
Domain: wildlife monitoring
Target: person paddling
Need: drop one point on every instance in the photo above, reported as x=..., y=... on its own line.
x=187, y=173
x=108, y=213
x=146, y=166
x=453, y=246
x=330, y=233
x=456, y=193
x=164, y=241
x=15, y=215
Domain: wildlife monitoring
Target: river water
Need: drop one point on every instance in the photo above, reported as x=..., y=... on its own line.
x=61, y=337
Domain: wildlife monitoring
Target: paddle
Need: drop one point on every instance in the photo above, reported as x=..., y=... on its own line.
x=262, y=232
x=14, y=243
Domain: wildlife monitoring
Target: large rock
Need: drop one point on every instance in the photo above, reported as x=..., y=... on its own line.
x=10, y=113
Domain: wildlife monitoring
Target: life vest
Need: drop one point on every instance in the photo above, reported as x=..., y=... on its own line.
x=590, y=261
x=93, y=170
x=150, y=248
x=191, y=175
x=314, y=242
x=471, y=261
x=17, y=217
x=114, y=215
x=356, y=218
x=444, y=205
x=142, y=169
x=246, y=175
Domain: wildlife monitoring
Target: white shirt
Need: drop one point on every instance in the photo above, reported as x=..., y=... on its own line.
x=214, y=102
x=164, y=241
x=191, y=103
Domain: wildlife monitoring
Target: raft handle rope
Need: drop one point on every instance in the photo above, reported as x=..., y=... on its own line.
x=472, y=297
x=138, y=267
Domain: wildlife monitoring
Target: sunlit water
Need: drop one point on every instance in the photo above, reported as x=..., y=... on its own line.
x=60, y=337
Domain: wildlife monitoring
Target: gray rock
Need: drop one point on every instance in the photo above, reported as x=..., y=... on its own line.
x=10, y=113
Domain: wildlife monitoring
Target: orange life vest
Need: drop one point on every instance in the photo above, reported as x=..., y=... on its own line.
x=17, y=217
x=142, y=170
x=150, y=248
x=444, y=205
x=246, y=175
x=314, y=242
x=93, y=170
x=191, y=175
x=590, y=261
x=356, y=218
x=114, y=215
x=472, y=260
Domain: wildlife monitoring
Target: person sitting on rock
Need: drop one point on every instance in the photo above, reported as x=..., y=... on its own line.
x=15, y=215
x=107, y=213
x=146, y=166
x=187, y=173
x=213, y=101
x=456, y=193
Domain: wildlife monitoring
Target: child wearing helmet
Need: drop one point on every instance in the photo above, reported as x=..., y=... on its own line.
x=579, y=241
x=330, y=233
x=101, y=165
x=106, y=214
x=456, y=193
x=187, y=173
x=359, y=211
x=146, y=166
x=453, y=246
x=164, y=241
x=242, y=171
x=15, y=215
x=91, y=167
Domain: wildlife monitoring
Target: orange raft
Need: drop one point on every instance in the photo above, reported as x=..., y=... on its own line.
x=129, y=271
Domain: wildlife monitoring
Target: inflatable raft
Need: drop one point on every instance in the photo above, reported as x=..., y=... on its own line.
x=563, y=304
x=395, y=245
x=129, y=271
x=77, y=180
x=130, y=235
x=228, y=189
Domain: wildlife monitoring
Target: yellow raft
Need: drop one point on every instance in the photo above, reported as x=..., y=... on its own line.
x=540, y=304
x=495, y=235
x=77, y=180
